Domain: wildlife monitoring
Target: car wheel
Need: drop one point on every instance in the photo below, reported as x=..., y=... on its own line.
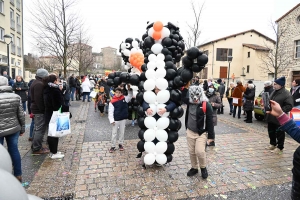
x=259, y=117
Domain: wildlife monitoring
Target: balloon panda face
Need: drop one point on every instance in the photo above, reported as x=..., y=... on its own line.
x=196, y=94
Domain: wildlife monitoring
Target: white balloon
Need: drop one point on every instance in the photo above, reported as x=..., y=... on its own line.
x=149, y=147
x=134, y=88
x=126, y=67
x=158, y=41
x=126, y=52
x=149, y=84
x=10, y=187
x=153, y=108
x=160, y=73
x=134, y=94
x=128, y=64
x=161, y=135
x=163, y=96
x=161, y=83
x=32, y=197
x=161, y=147
x=156, y=48
x=150, y=122
x=135, y=44
x=163, y=123
x=133, y=50
x=150, y=74
x=123, y=46
x=151, y=65
x=161, y=159
x=140, y=51
x=149, y=135
x=159, y=106
x=150, y=31
x=149, y=97
x=160, y=56
x=160, y=64
x=149, y=159
x=5, y=159
x=152, y=57
x=165, y=32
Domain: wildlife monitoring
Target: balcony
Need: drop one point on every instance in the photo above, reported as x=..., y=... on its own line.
x=19, y=51
x=18, y=5
x=13, y=48
x=12, y=24
x=18, y=28
x=12, y=2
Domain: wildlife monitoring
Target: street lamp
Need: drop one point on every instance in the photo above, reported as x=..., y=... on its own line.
x=8, y=40
x=229, y=59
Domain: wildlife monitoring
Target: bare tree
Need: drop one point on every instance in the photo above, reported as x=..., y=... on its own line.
x=54, y=28
x=194, y=30
x=277, y=59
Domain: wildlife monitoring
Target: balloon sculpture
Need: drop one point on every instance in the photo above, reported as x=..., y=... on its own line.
x=162, y=47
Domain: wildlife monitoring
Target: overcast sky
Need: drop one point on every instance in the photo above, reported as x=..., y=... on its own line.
x=109, y=22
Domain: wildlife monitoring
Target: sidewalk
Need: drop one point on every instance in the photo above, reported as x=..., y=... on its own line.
x=239, y=166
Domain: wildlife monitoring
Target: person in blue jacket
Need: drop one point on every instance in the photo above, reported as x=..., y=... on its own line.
x=291, y=128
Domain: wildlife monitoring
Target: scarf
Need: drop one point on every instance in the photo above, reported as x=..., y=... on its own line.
x=18, y=84
x=53, y=85
x=294, y=89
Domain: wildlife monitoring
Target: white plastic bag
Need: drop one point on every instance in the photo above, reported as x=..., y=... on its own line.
x=59, y=125
x=93, y=94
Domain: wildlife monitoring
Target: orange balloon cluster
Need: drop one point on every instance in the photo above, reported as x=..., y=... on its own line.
x=157, y=26
x=137, y=60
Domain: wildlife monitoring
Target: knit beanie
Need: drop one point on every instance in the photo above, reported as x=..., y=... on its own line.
x=250, y=82
x=219, y=80
x=280, y=81
x=3, y=81
x=42, y=73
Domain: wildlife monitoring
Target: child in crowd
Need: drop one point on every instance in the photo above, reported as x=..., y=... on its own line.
x=95, y=99
x=117, y=115
x=101, y=100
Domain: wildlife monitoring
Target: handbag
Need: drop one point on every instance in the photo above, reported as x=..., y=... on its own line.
x=93, y=94
x=59, y=124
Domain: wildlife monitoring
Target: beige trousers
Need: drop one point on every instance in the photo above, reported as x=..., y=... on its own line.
x=196, y=144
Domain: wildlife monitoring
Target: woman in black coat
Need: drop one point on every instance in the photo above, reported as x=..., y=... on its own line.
x=249, y=96
x=20, y=88
x=53, y=100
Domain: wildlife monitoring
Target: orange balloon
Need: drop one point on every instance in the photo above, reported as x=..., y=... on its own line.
x=156, y=35
x=158, y=26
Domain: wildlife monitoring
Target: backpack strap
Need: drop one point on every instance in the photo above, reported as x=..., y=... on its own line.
x=204, y=106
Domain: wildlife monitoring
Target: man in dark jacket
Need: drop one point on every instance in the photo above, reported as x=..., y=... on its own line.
x=38, y=109
x=268, y=87
x=221, y=90
x=249, y=96
x=72, y=85
x=285, y=100
x=295, y=91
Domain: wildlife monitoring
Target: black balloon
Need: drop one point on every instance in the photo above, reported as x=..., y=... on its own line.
x=173, y=136
x=110, y=82
x=174, y=42
x=187, y=62
x=177, y=112
x=128, y=40
x=165, y=51
x=134, y=79
x=140, y=146
x=166, y=42
x=169, y=65
x=141, y=123
x=181, y=45
x=139, y=97
x=146, y=60
x=179, y=70
x=169, y=157
x=202, y=60
x=123, y=77
x=170, y=149
x=150, y=25
x=148, y=42
x=186, y=75
x=172, y=48
x=141, y=111
x=192, y=53
x=144, y=67
x=112, y=75
x=118, y=73
x=171, y=74
x=174, y=124
x=178, y=82
x=144, y=36
x=196, y=68
x=129, y=108
x=168, y=58
x=134, y=102
x=143, y=76
x=170, y=85
x=175, y=96
x=141, y=134
x=141, y=85
x=117, y=81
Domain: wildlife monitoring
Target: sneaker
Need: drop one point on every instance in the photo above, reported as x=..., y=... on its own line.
x=211, y=144
x=277, y=151
x=132, y=123
x=41, y=151
x=57, y=156
x=121, y=148
x=112, y=149
x=192, y=172
x=204, y=173
x=24, y=113
x=270, y=147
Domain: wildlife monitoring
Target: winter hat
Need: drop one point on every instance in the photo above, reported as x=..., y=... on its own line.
x=267, y=83
x=219, y=80
x=42, y=73
x=250, y=82
x=280, y=81
x=3, y=81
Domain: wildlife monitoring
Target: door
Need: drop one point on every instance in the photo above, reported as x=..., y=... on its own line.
x=223, y=72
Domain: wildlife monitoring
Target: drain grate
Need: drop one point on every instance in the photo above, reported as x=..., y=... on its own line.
x=67, y=197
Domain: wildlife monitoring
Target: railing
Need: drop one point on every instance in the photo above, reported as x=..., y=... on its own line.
x=12, y=24
x=12, y=2
x=19, y=51
x=18, y=5
x=18, y=28
x=13, y=48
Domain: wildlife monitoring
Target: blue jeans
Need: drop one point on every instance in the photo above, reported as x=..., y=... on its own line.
x=31, y=128
x=12, y=147
x=39, y=131
x=230, y=104
x=73, y=89
x=24, y=106
x=239, y=111
x=86, y=94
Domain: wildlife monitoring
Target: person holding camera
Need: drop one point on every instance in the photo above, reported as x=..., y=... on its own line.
x=20, y=88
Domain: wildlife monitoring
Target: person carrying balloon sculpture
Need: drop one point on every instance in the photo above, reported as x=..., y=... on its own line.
x=200, y=128
x=117, y=115
x=216, y=103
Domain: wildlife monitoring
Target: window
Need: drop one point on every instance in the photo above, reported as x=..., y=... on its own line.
x=1, y=34
x=223, y=53
x=12, y=14
x=1, y=6
x=12, y=19
x=248, y=54
x=18, y=41
x=18, y=19
x=297, y=54
x=12, y=61
x=248, y=68
x=12, y=38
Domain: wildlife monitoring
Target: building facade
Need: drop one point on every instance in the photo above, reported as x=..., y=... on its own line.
x=246, y=48
x=290, y=40
x=107, y=59
x=11, y=23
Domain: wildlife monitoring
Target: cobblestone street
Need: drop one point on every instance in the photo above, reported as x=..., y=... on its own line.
x=239, y=167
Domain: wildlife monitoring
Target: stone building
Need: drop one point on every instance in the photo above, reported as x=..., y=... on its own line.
x=290, y=41
x=107, y=59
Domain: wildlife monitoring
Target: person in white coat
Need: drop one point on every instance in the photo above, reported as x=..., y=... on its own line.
x=86, y=89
